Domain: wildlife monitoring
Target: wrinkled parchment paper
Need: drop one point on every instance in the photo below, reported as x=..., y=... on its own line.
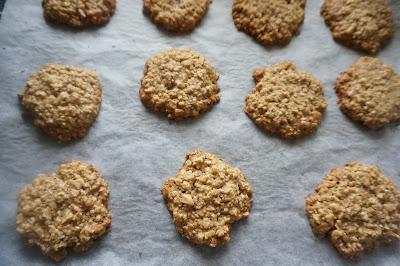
x=136, y=149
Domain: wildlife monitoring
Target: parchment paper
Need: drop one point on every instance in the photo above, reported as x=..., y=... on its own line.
x=136, y=149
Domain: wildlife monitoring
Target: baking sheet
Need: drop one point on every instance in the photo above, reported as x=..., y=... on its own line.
x=136, y=149
x=1, y=6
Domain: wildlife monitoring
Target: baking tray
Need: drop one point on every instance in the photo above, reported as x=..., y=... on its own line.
x=136, y=149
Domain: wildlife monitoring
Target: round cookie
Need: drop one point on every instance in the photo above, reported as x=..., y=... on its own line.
x=63, y=100
x=66, y=209
x=358, y=207
x=270, y=22
x=369, y=92
x=286, y=101
x=205, y=197
x=180, y=83
x=361, y=24
x=179, y=16
x=79, y=13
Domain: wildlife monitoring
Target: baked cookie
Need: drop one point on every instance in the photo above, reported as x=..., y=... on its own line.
x=206, y=197
x=179, y=16
x=270, y=22
x=180, y=83
x=358, y=207
x=66, y=209
x=361, y=24
x=63, y=100
x=79, y=13
x=369, y=92
x=286, y=101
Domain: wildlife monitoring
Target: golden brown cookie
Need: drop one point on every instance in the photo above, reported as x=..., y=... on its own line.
x=179, y=16
x=66, y=209
x=369, y=92
x=286, y=101
x=270, y=22
x=358, y=207
x=361, y=24
x=63, y=100
x=79, y=13
x=206, y=197
x=180, y=83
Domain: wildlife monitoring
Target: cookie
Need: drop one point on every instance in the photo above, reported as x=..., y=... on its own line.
x=369, y=92
x=179, y=16
x=66, y=209
x=63, y=100
x=206, y=197
x=358, y=207
x=79, y=13
x=270, y=22
x=180, y=83
x=361, y=24
x=286, y=101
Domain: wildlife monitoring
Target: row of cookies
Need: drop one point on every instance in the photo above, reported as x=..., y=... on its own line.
x=357, y=206
x=362, y=24
x=64, y=101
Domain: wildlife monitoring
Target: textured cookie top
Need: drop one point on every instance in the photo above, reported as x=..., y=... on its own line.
x=79, y=13
x=180, y=83
x=177, y=15
x=63, y=100
x=361, y=24
x=286, y=101
x=205, y=197
x=369, y=92
x=270, y=22
x=357, y=206
x=66, y=209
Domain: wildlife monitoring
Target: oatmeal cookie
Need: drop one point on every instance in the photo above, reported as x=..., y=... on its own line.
x=180, y=83
x=286, y=101
x=369, y=92
x=206, y=197
x=66, y=209
x=79, y=13
x=270, y=22
x=63, y=100
x=358, y=207
x=361, y=24
x=179, y=16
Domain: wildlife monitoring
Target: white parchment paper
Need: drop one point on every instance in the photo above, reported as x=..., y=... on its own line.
x=136, y=149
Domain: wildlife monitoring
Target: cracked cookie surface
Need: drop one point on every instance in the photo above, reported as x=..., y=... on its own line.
x=63, y=100
x=206, y=197
x=79, y=13
x=66, y=209
x=179, y=16
x=369, y=92
x=361, y=24
x=179, y=83
x=286, y=101
x=358, y=207
x=270, y=22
